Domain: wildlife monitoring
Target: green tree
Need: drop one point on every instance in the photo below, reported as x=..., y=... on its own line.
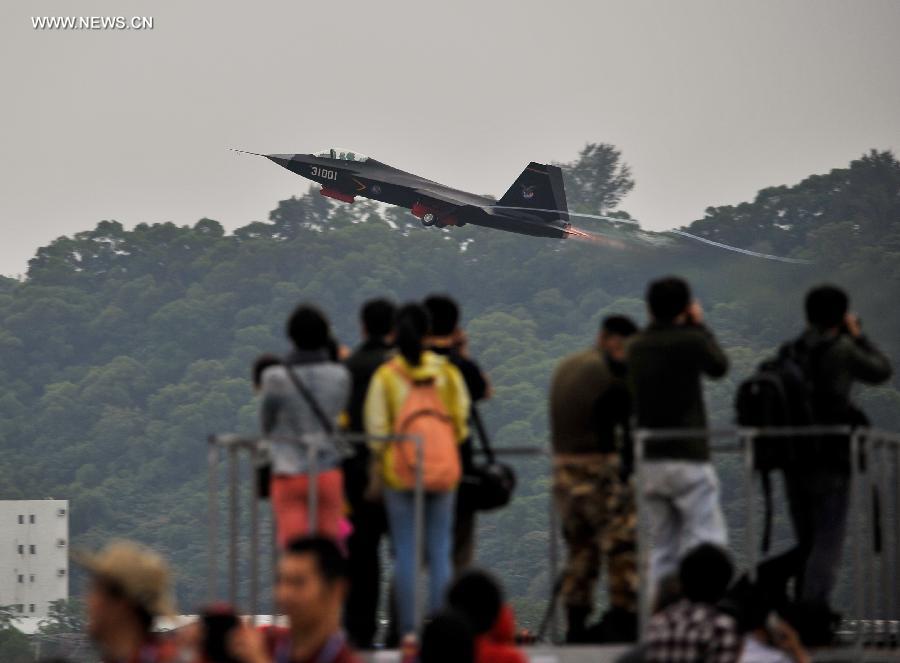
x=8, y=617
x=597, y=180
x=64, y=616
x=14, y=646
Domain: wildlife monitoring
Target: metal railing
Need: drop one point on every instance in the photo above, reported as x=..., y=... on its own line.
x=876, y=575
x=233, y=446
x=874, y=470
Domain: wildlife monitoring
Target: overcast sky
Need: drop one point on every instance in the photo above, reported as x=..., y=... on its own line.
x=709, y=101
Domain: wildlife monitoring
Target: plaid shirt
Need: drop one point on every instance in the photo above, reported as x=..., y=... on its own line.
x=692, y=633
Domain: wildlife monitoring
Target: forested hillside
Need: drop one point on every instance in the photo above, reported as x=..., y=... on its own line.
x=123, y=349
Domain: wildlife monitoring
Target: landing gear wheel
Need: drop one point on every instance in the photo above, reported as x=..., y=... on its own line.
x=428, y=219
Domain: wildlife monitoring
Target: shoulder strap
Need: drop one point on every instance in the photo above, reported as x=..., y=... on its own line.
x=768, y=513
x=796, y=349
x=398, y=369
x=406, y=377
x=482, y=434
x=308, y=397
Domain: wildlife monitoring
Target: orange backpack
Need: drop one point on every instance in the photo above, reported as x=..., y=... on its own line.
x=424, y=415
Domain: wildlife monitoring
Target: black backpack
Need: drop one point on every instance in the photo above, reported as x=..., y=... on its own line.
x=783, y=392
x=780, y=393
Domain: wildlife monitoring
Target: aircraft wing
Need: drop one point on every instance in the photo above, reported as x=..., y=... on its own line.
x=443, y=199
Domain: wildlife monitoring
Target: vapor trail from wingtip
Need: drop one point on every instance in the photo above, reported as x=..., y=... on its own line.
x=767, y=256
x=682, y=233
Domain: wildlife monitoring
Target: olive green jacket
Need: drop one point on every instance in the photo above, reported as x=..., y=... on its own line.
x=665, y=366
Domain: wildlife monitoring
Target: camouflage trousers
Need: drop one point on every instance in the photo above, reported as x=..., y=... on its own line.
x=599, y=523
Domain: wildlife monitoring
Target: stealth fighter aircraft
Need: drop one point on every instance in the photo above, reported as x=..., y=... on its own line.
x=534, y=205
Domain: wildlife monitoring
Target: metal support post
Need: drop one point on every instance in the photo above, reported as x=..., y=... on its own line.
x=643, y=539
x=554, y=570
x=747, y=439
x=418, y=530
x=857, y=518
x=254, y=534
x=232, y=524
x=312, y=500
x=212, y=459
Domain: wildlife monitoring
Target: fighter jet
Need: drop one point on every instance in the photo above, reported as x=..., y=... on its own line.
x=534, y=205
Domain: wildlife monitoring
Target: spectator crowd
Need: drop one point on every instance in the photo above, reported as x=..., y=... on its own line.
x=348, y=423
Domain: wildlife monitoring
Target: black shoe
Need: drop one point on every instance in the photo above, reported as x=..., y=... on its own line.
x=616, y=625
x=576, y=619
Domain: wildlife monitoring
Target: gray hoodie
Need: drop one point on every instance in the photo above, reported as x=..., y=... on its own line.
x=289, y=423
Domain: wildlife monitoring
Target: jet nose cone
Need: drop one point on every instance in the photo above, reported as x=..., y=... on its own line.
x=283, y=159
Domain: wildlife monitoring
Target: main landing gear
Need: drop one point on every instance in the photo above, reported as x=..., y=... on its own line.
x=431, y=218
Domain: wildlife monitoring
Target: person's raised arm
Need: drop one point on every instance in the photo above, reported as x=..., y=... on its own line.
x=866, y=363
x=712, y=359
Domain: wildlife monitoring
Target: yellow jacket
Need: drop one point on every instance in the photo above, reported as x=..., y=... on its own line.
x=388, y=390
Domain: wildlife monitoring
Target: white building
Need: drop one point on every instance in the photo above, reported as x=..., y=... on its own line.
x=34, y=555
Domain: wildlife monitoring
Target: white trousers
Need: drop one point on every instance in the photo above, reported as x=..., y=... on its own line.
x=682, y=510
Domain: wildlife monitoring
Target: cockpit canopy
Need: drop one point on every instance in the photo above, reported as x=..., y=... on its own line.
x=342, y=155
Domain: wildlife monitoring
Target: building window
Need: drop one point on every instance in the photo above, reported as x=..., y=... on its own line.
x=31, y=519
x=31, y=608
x=60, y=543
x=32, y=549
x=61, y=513
x=31, y=578
x=21, y=520
x=61, y=573
x=21, y=578
x=21, y=550
x=20, y=607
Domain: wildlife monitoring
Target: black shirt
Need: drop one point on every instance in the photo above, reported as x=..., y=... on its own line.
x=362, y=365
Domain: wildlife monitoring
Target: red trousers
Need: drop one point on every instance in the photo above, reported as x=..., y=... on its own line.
x=290, y=502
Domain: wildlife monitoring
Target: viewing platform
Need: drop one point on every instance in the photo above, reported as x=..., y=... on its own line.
x=871, y=627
